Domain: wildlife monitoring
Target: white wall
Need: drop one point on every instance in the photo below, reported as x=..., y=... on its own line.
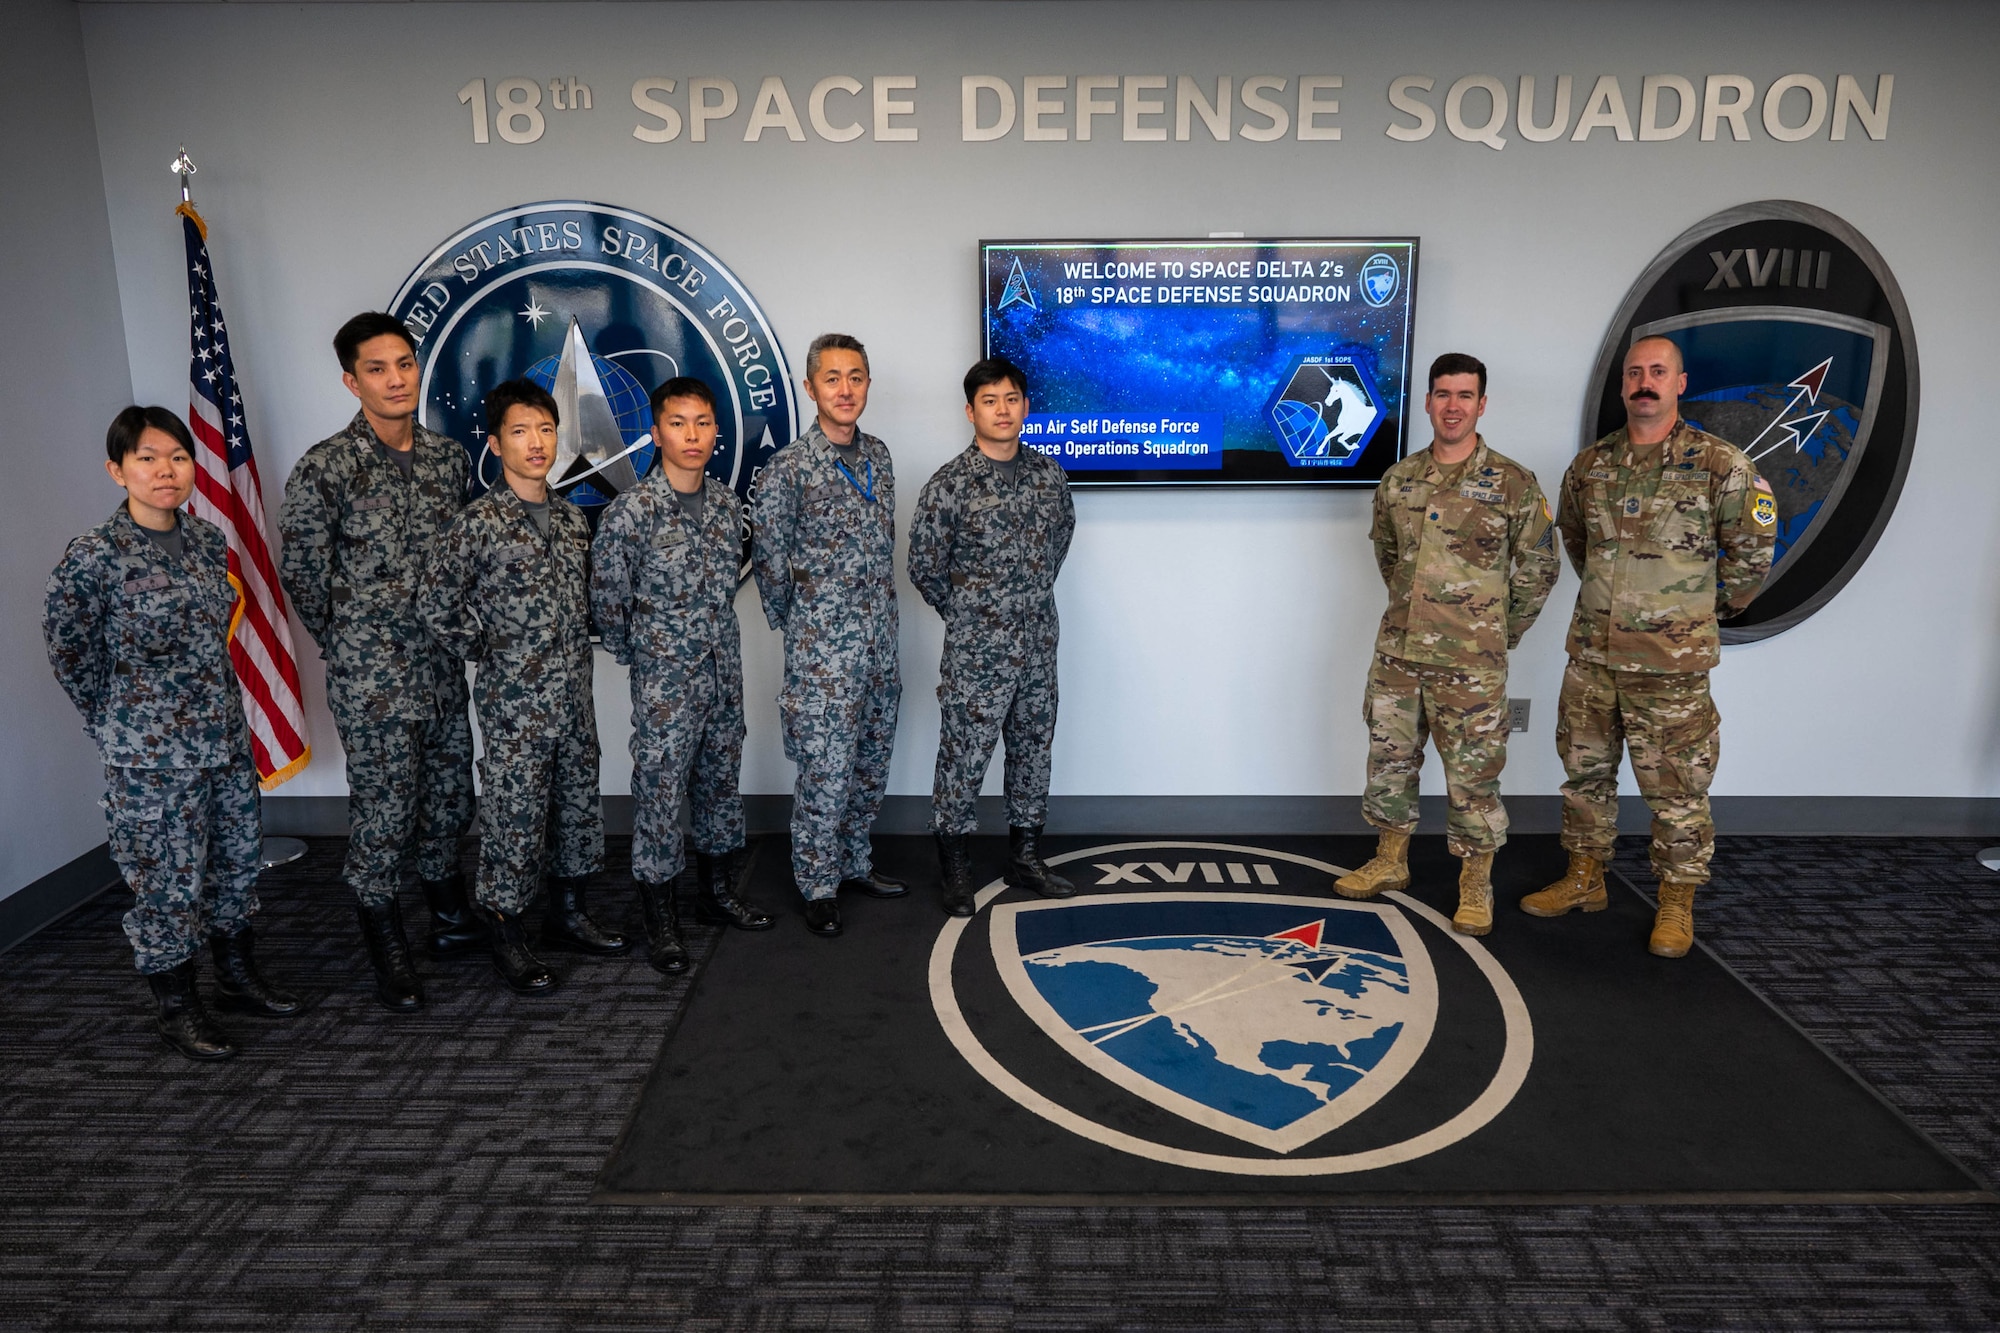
x=1214, y=643
x=63, y=376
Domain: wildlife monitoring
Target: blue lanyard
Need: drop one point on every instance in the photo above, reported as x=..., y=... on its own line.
x=868, y=470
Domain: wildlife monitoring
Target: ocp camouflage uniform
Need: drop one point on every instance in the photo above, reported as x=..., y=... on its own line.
x=1667, y=537
x=985, y=552
x=664, y=592
x=356, y=537
x=499, y=594
x=824, y=557
x=139, y=641
x=1468, y=554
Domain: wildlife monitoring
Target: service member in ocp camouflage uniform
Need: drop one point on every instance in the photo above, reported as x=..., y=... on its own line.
x=508, y=588
x=137, y=622
x=991, y=529
x=1464, y=541
x=361, y=510
x=663, y=578
x=1670, y=528
x=824, y=554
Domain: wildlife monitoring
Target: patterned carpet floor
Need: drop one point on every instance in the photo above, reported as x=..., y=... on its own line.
x=357, y=1171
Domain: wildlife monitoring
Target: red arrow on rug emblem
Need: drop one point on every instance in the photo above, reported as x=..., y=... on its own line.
x=1307, y=935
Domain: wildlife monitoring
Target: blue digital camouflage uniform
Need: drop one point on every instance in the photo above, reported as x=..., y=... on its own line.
x=824, y=556
x=499, y=594
x=985, y=552
x=140, y=642
x=663, y=589
x=356, y=537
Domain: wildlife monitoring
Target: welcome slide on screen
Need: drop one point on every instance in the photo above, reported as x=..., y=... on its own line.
x=1252, y=361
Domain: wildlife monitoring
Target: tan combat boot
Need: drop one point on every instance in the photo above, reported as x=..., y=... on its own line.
x=1582, y=885
x=1475, y=896
x=1673, y=924
x=1390, y=868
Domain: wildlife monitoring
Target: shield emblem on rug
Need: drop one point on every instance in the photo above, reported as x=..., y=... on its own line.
x=1795, y=389
x=1272, y=1019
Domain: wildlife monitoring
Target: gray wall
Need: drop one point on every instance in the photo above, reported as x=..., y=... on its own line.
x=1212, y=643
x=63, y=374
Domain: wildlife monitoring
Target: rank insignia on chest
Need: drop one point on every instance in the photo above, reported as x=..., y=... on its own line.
x=1765, y=510
x=1631, y=505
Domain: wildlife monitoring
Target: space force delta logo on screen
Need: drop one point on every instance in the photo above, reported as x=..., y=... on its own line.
x=1208, y=1005
x=598, y=305
x=1799, y=351
x=1208, y=362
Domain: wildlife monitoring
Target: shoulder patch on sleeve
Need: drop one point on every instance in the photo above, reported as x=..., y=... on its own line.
x=1764, y=509
x=1761, y=484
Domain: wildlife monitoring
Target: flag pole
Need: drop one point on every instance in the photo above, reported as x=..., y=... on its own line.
x=275, y=851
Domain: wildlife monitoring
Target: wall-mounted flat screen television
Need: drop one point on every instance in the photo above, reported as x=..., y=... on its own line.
x=1224, y=362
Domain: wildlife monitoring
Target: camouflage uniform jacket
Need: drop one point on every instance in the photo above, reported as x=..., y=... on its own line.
x=1667, y=538
x=1468, y=566
x=498, y=593
x=985, y=552
x=140, y=642
x=664, y=588
x=356, y=537
x=825, y=560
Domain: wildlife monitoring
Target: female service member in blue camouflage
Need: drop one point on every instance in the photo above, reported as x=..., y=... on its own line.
x=137, y=621
x=508, y=587
x=663, y=582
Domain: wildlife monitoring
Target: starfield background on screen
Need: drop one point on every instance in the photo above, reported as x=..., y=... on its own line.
x=1254, y=362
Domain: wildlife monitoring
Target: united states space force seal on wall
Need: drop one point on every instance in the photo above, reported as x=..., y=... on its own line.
x=1210, y=1005
x=1799, y=352
x=599, y=305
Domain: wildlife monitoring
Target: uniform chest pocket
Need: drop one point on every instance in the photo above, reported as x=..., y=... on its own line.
x=1683, y=519
x=369, y=520
x=1478, y=528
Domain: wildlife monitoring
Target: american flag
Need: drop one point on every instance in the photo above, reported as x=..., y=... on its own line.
x=228, y=494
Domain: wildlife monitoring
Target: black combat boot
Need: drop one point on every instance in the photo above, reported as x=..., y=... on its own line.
x=718, y=903
x=664, y=949
x=566, y=925
x=183, y=1022
x=957, y=881
x=1027, y=870
x=239, y=987
x=396, y=984
x=514, y=960
x=455, y=927
x=875, y=884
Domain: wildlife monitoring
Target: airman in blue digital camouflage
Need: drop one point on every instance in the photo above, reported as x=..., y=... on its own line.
x=663, y=576
x=508, y=588
x=823, y=551
x=1464, y=541
x=361, y=511
x=137, y=622
x=991, y=529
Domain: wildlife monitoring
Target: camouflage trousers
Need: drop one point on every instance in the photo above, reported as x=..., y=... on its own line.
x=687, y=739
x=977, y=708
x=1675, y=735
x=188, y=841
x=407, y=783
x=1463, y=709
x=539, y=813
x=841, y=739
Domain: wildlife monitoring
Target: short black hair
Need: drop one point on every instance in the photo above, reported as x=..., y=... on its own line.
x=364, y=326
x=1457, y=363
x=122, y=440
x=681, y=386
x=517, y=393
x=845, y=342
x=991, y=371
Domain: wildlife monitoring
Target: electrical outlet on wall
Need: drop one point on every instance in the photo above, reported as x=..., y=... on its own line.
x=1517, y=714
